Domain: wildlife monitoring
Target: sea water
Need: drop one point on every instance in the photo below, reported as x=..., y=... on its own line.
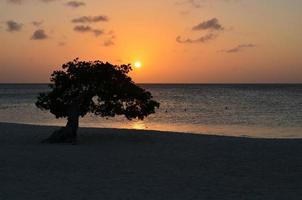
x=250, y=110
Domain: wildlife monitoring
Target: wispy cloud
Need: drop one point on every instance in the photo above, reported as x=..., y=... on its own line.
x=202, y=39
x=88, y=29
x=47, y=1
x=39, y=35
x=193, y=3
x=110, y=40
x=108, y=43
x=90, y=19
x=238, y=48
x=201, y=3
x=75, y=4
x=212, y=25
x=22, y=1
x=13, y=26
x=15, y=1
x=37, y=23
x=61, y=44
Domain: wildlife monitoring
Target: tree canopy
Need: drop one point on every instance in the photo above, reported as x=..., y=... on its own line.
x=96, y=87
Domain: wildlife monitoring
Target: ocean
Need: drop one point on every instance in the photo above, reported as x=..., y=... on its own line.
x=245, y=110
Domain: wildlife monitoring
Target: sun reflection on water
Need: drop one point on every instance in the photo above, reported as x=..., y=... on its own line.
x=139, y=125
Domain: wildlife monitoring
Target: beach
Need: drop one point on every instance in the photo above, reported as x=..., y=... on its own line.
x=140, y=164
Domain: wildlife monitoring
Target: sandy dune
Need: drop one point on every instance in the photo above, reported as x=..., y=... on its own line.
x=129, y=164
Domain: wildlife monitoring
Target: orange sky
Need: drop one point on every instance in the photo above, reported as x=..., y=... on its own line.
x=177, y=41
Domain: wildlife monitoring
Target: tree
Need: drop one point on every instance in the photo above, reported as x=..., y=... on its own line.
x=93, y=87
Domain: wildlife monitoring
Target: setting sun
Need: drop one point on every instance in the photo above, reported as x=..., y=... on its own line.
x=137, y=64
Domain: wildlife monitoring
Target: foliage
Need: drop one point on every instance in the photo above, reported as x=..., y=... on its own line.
x=96, y=87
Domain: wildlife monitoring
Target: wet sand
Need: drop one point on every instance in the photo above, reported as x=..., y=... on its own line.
x=131, y=164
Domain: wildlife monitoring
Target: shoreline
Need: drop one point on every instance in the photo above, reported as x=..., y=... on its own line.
x=140, y=164
x=216, y=131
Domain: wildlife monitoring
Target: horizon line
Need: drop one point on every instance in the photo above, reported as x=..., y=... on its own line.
x=180, y=83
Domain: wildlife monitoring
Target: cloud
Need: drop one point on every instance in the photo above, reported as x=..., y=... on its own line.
x=37, y=23
x=239, y=48
x=82, y=28
x=97, y=32
x=212, y=25
x=47, y=1
x=61, y=44
x=111, y=34
x=110, y=39
x=108, y=43
x=75, y=4
x=22, y=1
x=39, y=35
x=202, y=39
x=88, y=29
x=201, y=3
x=90, y=19
x=185, y=12
x=13, y=26
x=15, y=1
x=195, y=3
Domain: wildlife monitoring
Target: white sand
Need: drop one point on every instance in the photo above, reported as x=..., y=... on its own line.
x=129, y=164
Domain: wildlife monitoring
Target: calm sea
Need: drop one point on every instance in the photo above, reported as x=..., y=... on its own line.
x=266, y=111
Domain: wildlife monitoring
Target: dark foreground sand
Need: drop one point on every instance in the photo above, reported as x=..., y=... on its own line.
x=128, y=164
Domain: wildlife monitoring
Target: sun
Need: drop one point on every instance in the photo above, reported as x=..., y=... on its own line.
x=138, y=64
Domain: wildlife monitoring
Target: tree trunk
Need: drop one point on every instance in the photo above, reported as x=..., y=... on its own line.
x=67, y=134
x=73, y=121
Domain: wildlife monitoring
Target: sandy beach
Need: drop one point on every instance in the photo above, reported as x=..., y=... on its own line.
x=132, y=164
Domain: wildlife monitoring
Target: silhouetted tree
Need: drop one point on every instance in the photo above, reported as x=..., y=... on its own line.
x=93, y=87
